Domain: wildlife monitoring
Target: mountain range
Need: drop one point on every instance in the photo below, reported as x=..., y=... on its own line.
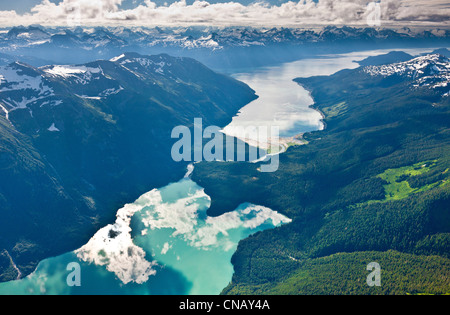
x=217, y=47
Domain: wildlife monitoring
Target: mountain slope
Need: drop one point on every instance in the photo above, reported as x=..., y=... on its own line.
x=432, y=71
x=80, y=141
x=375, y=180
x=391, y=57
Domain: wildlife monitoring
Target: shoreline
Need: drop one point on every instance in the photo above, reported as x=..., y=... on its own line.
x=13, y=264
x=313, y=105
x=284, y=143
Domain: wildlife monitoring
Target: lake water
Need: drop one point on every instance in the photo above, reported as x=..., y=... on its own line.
x=282, y=102
x=164, y=243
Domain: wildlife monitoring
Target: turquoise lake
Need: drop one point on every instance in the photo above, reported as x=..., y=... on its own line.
x=163, y=244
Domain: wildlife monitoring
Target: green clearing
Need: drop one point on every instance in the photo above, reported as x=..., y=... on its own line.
x=397, y=186
x=335, y=110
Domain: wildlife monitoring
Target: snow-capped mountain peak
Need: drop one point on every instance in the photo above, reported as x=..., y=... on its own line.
x=157, y=64
x=21, y=85
x=432, y=70
x=81, y=74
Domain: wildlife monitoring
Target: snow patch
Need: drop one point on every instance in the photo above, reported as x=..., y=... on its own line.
x=51, y=103
x=53, y=128
x=147, y=63
x=431, y=70
x=32, y=88
x=6, y=112
x=102, y=95
x=115, y=59
x=12, y=80
x=81, y=74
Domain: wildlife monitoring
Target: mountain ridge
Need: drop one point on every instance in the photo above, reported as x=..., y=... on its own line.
x=80, y=141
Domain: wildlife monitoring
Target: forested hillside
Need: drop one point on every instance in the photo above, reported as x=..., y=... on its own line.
x=373, y=186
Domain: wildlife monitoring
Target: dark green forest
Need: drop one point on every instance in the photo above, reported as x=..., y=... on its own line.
x=373, y=186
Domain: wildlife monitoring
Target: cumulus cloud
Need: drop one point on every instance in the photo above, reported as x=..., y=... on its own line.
x=113, y=247
x=303, y=12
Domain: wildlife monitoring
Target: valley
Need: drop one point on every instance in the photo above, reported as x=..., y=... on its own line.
x=83, y=140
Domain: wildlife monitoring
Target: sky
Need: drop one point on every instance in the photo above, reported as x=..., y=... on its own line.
x=225, y=12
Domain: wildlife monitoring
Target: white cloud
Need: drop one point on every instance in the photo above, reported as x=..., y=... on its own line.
x=303, y=12
x=182, y=217
x=113, y=247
